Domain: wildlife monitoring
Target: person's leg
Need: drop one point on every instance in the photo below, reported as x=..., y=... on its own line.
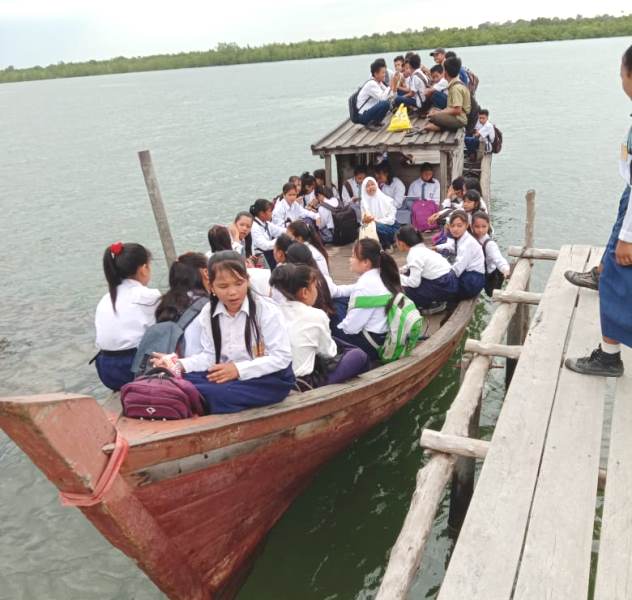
x=353, y=362
x=412, y=102
x=471, y=284
x=471, y=143
x=386, y=233
x=439, y=100
x=431, y=291
x=115, y=370
x=445, y=121
x=375, y=114
x=360, y=341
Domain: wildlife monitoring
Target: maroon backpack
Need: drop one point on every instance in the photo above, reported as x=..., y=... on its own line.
x=160, y=396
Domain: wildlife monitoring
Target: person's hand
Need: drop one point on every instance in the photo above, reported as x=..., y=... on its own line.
x=250, y=263
x=433, y=111
x=623, y=253
x=223, y=373
x=367, y=219
x=433, y=218
x=234, y=232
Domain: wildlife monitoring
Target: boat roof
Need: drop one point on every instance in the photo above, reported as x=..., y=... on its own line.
x=350, y=138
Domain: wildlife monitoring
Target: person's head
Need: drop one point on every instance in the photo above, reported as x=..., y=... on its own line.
x=438, y=55
x=262, y=210
x=322, y=192
x=243, y=223
x=296, y=282
x=408, y=69
x=300, y=254
x=458, y=185
x=452, y=67
x=125, y=261
x=626, y=72
x=320, y=177
x=281, y=245
x=414, y=61
x=383, y=173
x=458, y=223
x=290, y=193
x=471, y=201
x=425, y=171
x=359, y=173
x=308, y=183
x=302, y=232
x=295, y=180
x=480, y=224
x=188, y=277
x=407, y=237
x=369, y=186
x=378, y=70
x=483, y=116
x=219, y=238
x=398, y=63
x=449, y=54
x=471, y=183
x=436, y=73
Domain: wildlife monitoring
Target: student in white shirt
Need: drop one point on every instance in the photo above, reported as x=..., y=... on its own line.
x=377, y=207
x=351, y=189
x=308, y=187
x=287, y=209
x=374, y=98
x=323, y=199
x=469, y=264
x=124, y=313
x=452, y=202
x=483, y=130
x=264, y=231
x=472, y=203
x=378, y=276
x=240, y=234
x=313, y=347
x=392, y=186
x=437, y=95
x=321, y=181
x=471, y=183
x=417, y=83
x=246, y=356
x=219, y=239
x=427, y=277
x=426, y=187
x=306, y=234
x=496, y=265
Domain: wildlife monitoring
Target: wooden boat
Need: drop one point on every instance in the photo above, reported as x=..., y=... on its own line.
x=192, y=500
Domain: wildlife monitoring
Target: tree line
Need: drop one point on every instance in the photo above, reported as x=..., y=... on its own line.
x=510, y=32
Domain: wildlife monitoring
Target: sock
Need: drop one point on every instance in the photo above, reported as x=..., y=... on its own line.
x=610, y=348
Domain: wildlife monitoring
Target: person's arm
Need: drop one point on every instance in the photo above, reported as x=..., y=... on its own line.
x=278, y=214
x=204, y=359
x=356, y=320
x=326, y=345
x=260, y=240
x=388, y=218
x=500, y=262
x=413, y=279
x=623, y=250
x=399, y=193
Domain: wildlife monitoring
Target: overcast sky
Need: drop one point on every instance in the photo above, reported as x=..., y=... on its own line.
x=47, y=31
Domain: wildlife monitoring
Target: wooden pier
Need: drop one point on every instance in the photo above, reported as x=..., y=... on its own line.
x=530, y=530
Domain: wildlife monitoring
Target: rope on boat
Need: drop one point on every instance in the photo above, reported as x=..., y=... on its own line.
x=106, y=479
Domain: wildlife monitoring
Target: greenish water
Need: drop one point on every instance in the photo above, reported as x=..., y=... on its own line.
x=71, y=184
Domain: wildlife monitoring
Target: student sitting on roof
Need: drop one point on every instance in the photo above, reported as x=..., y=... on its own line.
x=454, y=116
x=374, y=98
x=392, y=186
x=436, y=95
x=417, y=83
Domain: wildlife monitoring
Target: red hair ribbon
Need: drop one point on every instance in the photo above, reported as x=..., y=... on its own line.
x=116, y=249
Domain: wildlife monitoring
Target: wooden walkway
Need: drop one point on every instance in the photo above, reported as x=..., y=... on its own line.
x=529, y=533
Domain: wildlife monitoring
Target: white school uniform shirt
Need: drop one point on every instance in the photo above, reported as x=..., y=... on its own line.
x=276, y=343
x=493, y=256
x=441, y=85
x=283, y=212
x=355, y=187
x=469, y=254
x=323, y=267
x=309, y=335
x=369, y=319
x=135, y=312
x=193, y=334
x=325, y=215
x=422, y=262
x=418, y=83
x=625, y=162
x=371, y=93
x=395, y=190
x=487, y=133
x=379, y=205
x=426, y=190
x=260, y=281
x=264, y=234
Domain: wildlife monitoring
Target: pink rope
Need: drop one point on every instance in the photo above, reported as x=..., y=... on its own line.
x=105, y=481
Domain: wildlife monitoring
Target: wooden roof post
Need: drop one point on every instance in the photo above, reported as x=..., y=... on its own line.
x=328, y=170
x=443, y=173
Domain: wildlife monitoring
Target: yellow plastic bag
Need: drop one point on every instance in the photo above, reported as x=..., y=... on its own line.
x=400, y=120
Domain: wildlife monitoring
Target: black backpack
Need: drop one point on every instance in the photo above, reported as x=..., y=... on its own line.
x=354, y=111
x=345, y=223
x=165, y=337
x=497, y=144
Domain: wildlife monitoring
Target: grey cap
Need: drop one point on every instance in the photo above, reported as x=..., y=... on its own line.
x=438, y=51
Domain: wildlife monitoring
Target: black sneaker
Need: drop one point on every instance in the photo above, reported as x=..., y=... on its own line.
x=598, y=363
x=587, y=279
x=434, y=308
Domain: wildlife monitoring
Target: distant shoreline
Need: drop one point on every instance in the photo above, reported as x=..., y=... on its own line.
x=511, y=32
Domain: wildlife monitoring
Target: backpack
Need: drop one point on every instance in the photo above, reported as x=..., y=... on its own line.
x=421, y=210
x=472, y=81
x=422, y=77
x=166, y=337
x=354, y=111
x=404, y=325
x=493, y=280
x=345, y=223
x=497, y=144
x=159, y=395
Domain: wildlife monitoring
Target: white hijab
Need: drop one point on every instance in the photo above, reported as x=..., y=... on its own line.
x=379, y=205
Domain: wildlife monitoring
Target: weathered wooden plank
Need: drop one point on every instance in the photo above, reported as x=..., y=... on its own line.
x=614, y=569
x=453, y=444
x=485, y=559
x=539, y=253
x=492, y=349
x=519, y=297
x=556, y=556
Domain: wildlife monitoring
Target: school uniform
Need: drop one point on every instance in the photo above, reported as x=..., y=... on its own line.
x=493, y=256
x=193, y=333
x=373, y=102
x=118, y=332
x=428, y=277
x=327, y=220
x=426, y=190
x=469, y=264
x=264, y=234
x=381, y=207
x=265, y=379
x=321, y=262
x=439, y=97
x=260, y=281
x=395, y=190
x=284, y=213
x=355, y=187
x=487, y=134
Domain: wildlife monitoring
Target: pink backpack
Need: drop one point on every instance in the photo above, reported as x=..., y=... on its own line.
x=421, y=210
x=160, y=396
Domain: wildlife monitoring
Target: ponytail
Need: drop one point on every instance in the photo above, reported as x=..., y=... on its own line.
x=308, y=233
x=291, y=278
x=260, y=205
x=368, y=249
x=121, y=261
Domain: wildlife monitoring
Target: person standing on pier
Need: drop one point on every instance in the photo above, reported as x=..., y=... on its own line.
x=615, y=281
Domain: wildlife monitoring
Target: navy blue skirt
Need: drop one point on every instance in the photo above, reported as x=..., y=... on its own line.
x=441, y=289
x=114, y=368
x=471, y=284
x=615, y=286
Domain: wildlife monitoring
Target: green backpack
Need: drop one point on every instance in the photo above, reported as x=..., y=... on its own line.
x=404, y=324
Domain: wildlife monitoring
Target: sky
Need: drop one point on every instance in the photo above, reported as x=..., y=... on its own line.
x=41, y=32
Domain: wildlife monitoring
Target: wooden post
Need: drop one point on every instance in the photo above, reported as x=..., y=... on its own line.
x=443, y=173
x=328, y=170
x=151, y=182
x=486, y=178
x=519, y=324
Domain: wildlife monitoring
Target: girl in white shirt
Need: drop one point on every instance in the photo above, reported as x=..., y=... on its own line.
x=246, y=356
x=316, y=359
x=427, y=277
x=264, y=231
x=496, y=265
x=302, y=232
x=378, y=207
x=469, y=264
x=378, y=276
x=287, y=209
x=240, y=234
x=124, y=313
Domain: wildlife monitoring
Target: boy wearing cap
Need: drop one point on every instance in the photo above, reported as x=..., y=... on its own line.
x=438, y=55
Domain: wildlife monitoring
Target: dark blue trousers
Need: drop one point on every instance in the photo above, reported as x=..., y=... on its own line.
x=407, y=100
x=115, y=368
x=470, y=285
x=358, y=339
x=386, y=233
x=375, y=114
x=442, y=289
x=439, y=99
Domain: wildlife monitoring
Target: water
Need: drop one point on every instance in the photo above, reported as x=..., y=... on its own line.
x=221, y=137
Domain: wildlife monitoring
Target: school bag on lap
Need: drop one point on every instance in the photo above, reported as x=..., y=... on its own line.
x=420, y=213
x=165, y=337
x=345, y=223
x=404, y=325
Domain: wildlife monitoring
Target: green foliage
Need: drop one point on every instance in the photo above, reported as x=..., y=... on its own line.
x=510, y=32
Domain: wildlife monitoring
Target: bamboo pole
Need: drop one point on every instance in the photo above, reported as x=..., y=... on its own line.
x=518, y=297
x=492, y=349
x=160, y=214
x=454, y=444
x=539, y=253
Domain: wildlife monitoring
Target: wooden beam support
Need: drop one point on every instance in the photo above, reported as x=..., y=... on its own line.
x=538, y=253
x=517, y=297
x=453, y=444
x=492, y=349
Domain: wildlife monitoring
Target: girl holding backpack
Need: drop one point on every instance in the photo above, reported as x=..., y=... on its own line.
x=246, y=356
x=124, y=313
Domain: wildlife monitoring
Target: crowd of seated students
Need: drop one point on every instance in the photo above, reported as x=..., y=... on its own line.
x=271, y=317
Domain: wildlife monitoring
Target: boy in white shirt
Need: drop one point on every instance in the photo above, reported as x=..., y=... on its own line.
x=374, y=98
x=437, y=95
x=484, y=130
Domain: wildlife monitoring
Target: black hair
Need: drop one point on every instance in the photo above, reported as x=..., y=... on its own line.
x=368, y=249
x=308, y=233
x=291, y=278
x=627, y=60
x=320, y=174
x=248, y=238
x=300, y=254
x=483, y=111
x=288, y=187
x=398, y=58
x=283, y=242
x=261, y=205
x=408, y=55
x=414, y=61
x=471, y=183
x=185, y=285
x=228, y=260
x=426, y=166
x=436, y=69
x=450, y=54
x=376, y=65
x=121, y=261
x=307, y=179
x=359, y=169
x=409, y=235
x=452, y=66
x=459, y=214
x=458, y=183
x=475, y=197
x=384, y=167
x=219, y=238
x=479, y=214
